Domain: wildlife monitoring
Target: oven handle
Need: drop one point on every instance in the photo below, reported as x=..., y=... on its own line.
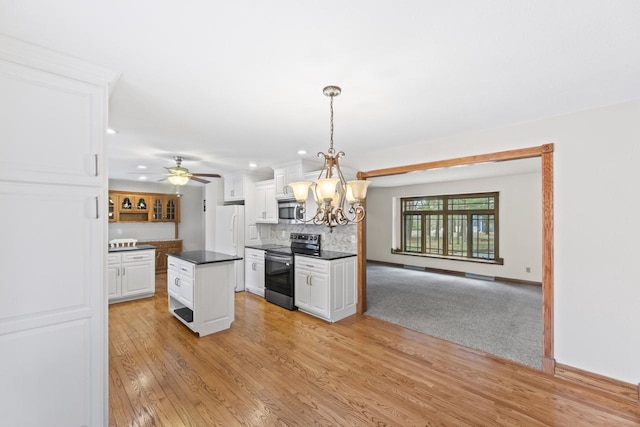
x=278, y=258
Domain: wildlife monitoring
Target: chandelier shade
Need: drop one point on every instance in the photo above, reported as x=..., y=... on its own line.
x=300, y=190
x=331, y=190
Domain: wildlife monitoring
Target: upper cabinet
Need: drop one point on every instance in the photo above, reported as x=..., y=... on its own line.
x=234, y=187
x=266, y=205
x=283, y=176
x=131, y=207
x=143, y=207
x=165, y=208
x=63, y=113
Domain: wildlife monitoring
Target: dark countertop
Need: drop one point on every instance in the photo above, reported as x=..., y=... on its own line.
x=204, y=257
x=131, y=248
x=329, y=255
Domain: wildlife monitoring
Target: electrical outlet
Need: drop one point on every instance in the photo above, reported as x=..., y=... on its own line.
x=528, y=269
x=353, y=239
x=119, y=231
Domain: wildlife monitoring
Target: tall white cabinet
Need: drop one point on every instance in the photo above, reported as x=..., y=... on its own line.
x=53, y=188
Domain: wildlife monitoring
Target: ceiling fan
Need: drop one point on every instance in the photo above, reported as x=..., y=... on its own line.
x=180, y=176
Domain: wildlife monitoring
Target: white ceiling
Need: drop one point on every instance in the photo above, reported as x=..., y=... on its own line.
x=229, y=83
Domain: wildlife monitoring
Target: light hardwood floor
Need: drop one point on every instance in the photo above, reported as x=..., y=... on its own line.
x=276, y=367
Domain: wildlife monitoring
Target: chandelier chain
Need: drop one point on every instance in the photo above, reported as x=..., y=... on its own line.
x=331, y=149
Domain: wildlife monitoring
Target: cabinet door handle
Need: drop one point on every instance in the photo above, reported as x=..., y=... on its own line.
x=95, y=156
x=117, y=271
x=177, y=281
x=183, y=269
x=124, y=270
x=138, y=257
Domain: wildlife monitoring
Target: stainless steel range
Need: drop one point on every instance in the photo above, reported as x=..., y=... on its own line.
x=279, y=271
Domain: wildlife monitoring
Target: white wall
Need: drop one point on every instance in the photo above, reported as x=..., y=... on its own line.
x=520, y=222
x=190, y=228
x=596, y=176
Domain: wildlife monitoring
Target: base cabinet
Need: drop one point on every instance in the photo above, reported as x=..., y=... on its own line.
x=254, y=271
x=201, y=296
x=326, y=289
x=131, y=275
x=163, y=247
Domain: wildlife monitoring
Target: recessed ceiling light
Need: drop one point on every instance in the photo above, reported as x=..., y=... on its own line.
x=301, y=152
x=111, y=131
x=142, y=178
x=141, y=167
x=253, y=165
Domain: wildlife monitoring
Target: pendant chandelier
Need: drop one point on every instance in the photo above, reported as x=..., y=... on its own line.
x=330, y=190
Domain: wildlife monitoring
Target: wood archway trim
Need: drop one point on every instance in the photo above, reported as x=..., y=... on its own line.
x=545, y=152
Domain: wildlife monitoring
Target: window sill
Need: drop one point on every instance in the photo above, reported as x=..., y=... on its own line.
x=498, y=261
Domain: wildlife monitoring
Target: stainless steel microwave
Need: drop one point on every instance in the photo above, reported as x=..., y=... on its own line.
x=288, y=212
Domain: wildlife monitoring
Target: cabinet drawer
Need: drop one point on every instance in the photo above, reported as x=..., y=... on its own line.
x=254, y=255
x=183, y=268
x=138, y=256
x=113, y=259
x=312, y=264
x=186, y=269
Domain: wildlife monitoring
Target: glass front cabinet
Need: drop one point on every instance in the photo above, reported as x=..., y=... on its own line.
x=143, y=207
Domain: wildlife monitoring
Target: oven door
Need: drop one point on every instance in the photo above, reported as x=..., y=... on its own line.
x=278, y=273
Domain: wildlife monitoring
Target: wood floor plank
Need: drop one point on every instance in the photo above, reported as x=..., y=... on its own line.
x=277, y=367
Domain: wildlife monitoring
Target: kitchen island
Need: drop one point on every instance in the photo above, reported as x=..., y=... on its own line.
x=201, y=290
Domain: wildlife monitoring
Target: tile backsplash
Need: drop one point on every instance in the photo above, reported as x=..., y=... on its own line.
x=340, y=240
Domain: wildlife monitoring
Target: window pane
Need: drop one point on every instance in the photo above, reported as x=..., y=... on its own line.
x=434, y=238
x=483, y=245
x=424, y=204
x=475, y=203
x=457, y=244
x=412, y=233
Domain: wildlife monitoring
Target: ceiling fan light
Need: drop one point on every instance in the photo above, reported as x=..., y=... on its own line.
x=178, y=179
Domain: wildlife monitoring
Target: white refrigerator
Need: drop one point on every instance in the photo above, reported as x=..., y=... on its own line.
x=229, y=238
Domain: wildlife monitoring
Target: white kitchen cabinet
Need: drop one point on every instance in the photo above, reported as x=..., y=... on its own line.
x=266, y=204
x=180, y=275
x=53, y=352
x=201, y=294
x=254, y=271
x=234, y=187
x=285, y=175
x=131, y=275
x=326, y=288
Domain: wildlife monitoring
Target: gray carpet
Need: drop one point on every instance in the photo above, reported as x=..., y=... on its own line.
x=499, y=318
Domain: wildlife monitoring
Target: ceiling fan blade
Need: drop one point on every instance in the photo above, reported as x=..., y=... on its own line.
x=204, y=181
x=211, y=175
